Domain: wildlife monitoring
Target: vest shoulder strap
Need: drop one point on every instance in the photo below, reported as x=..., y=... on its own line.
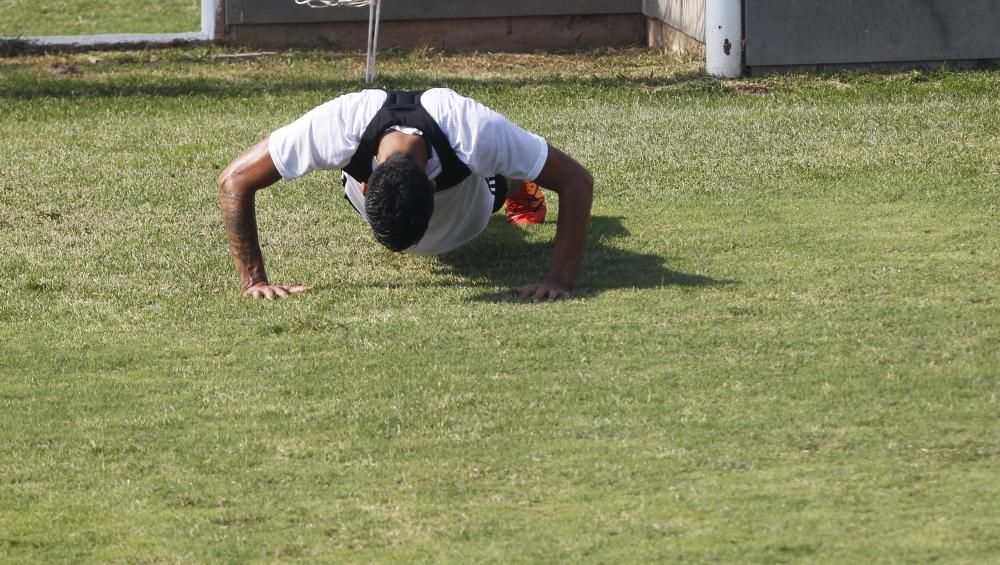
x=402, y=108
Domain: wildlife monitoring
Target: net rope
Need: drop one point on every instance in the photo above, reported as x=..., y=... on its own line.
x=332, y=3
x=374, y=15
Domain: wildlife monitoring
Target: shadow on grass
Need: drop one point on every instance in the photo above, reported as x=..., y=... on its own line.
x=504, y=256
x=76, y=85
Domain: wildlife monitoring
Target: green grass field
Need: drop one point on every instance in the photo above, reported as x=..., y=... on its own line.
x=88, y=17
x=784, y=345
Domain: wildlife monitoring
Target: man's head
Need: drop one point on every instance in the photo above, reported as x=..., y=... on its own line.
x=399, y=202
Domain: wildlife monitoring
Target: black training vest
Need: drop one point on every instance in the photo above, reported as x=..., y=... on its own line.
x=404, y=109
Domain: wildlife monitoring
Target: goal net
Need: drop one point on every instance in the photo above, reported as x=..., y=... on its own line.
x=374, y=15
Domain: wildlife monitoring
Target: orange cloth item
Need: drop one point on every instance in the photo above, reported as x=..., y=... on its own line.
x=526, y=205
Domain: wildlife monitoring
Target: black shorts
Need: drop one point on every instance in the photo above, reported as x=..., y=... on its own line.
x=498, y=186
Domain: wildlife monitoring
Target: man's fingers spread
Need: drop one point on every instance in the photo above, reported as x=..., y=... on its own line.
x=273, y=292
x=549, y=294
x=540, y=293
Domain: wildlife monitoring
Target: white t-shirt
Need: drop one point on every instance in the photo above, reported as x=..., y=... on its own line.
x=487, y=142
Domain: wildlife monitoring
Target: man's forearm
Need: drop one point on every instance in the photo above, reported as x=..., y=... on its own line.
x=571, y=235
x=238, y=182
x=240, y=220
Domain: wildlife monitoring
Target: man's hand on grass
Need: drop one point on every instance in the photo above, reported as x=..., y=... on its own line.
x=274, y=291
x=541, y=292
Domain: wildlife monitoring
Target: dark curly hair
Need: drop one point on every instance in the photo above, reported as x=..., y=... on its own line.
x=399, y=202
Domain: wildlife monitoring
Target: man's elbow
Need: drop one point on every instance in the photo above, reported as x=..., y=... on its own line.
x=229, y=184
x=225, y=180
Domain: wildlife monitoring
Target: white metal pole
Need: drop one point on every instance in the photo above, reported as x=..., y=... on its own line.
x=724, y=38
x=209, y=12
x=374, y=14
x=374, y=47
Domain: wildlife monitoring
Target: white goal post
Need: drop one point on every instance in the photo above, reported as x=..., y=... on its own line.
x=209, y=15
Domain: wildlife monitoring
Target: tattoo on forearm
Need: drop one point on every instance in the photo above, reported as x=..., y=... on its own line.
x=240, y=221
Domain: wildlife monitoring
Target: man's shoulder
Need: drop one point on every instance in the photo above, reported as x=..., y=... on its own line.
x=440, y=93
x=447, y=106
x=348, y=112
x=444, y=98
x=369, y=96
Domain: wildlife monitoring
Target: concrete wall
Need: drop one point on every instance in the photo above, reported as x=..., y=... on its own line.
x=455, y=25
x=783, y=33
x=522, y=34
x=240, y=12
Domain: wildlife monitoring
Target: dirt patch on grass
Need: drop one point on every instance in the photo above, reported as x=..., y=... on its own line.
x=61, y=68
x=748, y=89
